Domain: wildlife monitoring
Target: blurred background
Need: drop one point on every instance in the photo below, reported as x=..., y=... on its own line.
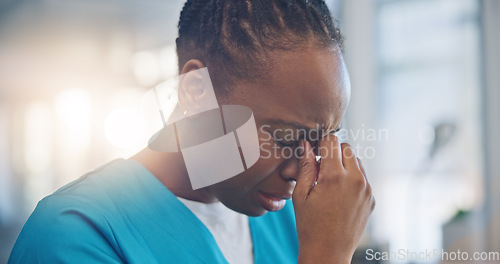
x=423, y=114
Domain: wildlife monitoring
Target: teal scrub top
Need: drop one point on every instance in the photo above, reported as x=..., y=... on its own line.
x=121, y=213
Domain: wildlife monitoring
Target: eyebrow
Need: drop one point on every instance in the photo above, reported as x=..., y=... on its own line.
x=299, y=126
x=289, y=123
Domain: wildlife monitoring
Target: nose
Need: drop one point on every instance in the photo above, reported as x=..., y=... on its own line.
x=289, y=169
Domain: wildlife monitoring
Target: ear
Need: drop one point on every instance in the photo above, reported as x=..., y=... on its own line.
x=192, y=65
x=195, y=94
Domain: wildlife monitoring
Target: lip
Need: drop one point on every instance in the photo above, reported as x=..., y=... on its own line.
x=272, y=201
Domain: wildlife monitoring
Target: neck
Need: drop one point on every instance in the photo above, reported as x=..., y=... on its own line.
x=170, y=170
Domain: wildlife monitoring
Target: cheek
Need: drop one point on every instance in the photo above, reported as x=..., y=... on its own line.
x=237, y=192
x=271, y=156
x=269, y=161
x=262, y=169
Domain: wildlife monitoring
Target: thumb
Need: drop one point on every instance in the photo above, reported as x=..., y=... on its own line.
x=307, y=172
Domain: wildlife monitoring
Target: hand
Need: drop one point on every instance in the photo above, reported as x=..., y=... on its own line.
x=332, y=215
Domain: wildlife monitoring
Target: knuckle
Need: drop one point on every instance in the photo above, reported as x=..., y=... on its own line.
x=347, y=150
x=344, y=146
x=341, y=172
x=368, y=188
x=329, y=142
x=359, y=182
x=332, y=137
x=373, y=203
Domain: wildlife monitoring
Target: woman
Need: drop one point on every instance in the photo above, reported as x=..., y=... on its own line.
x=283, y=60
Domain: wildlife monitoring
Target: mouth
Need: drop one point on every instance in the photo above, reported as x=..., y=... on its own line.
x=272, y=201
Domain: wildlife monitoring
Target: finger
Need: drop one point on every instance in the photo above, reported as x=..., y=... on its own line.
x=361, y=167
x=349, y=159
x=307, y=172
x=331, y=154
x=372, y=203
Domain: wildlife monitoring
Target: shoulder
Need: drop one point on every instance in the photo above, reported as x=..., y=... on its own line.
x=117, y=213
x=73, y=224
x=64, y=229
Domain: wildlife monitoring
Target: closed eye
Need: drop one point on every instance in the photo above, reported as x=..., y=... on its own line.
x=284, y=143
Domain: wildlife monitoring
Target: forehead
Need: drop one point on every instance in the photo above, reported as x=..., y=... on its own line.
x=310, y=87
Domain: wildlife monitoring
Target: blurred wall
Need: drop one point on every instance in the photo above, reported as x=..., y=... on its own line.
x=72, y=75
x=491, y=119
x=425, y=71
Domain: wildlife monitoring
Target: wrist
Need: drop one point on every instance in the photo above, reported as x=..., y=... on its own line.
x=322, y=255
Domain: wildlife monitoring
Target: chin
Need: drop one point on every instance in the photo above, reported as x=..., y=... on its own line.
x=252, y=211
x=256, y=213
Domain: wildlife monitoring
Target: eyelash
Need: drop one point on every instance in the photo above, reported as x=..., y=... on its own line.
x=284, y=144
x=294, y=143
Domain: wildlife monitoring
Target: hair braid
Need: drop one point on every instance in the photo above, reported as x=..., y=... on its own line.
x=234, y=38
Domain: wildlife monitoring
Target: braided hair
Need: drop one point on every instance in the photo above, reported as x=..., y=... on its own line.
x=235, y=38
